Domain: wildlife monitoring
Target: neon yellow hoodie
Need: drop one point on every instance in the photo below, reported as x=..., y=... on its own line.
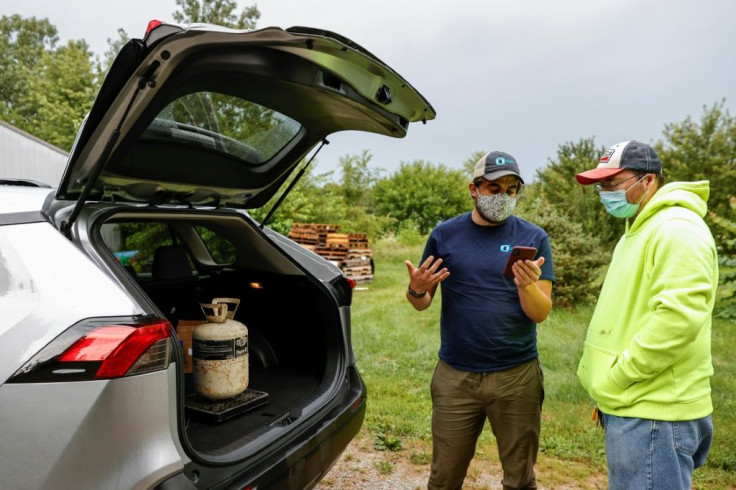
x=647, y=351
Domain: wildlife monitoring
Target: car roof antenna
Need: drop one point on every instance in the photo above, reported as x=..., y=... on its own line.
x=291, y=185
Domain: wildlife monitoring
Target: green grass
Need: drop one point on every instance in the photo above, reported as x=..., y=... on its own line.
x=397, y=347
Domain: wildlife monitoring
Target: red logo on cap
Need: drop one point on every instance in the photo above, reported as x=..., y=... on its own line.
x=606, y=156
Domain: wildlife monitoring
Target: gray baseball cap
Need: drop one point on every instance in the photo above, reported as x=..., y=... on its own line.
x=495, y=165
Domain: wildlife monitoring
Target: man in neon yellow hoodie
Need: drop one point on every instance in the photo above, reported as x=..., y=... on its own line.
x=647, y=359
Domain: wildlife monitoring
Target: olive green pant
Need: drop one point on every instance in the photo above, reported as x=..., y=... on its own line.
x=511, y=400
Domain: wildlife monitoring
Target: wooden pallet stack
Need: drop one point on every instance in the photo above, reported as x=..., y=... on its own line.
x=359, y=262
x=307, y=237
x=349, y=251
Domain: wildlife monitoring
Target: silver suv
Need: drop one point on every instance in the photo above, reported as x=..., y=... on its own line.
x=102, y=276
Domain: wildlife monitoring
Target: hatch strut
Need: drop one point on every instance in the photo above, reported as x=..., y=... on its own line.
x=66, y=225
x=291, y=185
x=143, y=80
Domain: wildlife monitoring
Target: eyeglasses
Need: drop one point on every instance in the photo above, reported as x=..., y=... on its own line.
x=494, y=187
x=609, y=186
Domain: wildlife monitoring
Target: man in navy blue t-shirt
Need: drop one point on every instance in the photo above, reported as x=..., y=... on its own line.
x=488, y=366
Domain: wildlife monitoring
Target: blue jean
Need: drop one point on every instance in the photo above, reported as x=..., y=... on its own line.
x=654, y=454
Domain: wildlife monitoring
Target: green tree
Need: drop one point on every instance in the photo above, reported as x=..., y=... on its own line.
x=220, y=12
x=355, y=186
x=581, y=232
x=145, y=238
x=44, y=89
x=578, y=203
x=60, y=95
x=469, y=164
x=357, y=179
x=320, y=198
x=579, y=257
x=114, y=45
x=703, y=150
x=423, y=193
x=724, y=230
x=23, y=44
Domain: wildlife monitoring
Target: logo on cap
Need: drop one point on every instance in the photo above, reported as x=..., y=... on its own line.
x=607, y=155
x=504, y=161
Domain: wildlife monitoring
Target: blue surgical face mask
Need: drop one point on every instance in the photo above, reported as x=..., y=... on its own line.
x=616, y=203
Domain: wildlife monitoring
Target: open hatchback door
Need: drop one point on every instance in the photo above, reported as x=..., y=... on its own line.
x=208, y=115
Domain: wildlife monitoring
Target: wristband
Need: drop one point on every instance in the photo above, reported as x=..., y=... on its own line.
x=415, y=294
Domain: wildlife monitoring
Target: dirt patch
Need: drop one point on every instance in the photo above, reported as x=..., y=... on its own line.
x=363, y=467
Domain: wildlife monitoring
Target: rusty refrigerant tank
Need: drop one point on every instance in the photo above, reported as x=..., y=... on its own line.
x=220, y=351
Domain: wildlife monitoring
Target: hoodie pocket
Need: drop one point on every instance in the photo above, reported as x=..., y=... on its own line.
x=594, y=374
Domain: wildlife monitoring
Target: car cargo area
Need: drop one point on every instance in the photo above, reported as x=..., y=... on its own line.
x=288, y=347
x=180, y=260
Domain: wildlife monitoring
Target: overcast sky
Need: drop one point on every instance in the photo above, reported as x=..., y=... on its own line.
x=519, y=76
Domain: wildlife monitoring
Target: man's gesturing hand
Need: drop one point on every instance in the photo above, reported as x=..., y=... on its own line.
x=427, y=275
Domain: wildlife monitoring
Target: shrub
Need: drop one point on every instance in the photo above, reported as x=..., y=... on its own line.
x=579, y=257
x=725, y=236
x=423, y=193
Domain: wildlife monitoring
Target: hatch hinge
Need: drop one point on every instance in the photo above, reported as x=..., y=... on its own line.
x=147, y=77
x=108, y=193
x=186, y=202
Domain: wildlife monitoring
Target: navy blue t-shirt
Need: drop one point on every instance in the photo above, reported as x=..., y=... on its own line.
x=483, y=327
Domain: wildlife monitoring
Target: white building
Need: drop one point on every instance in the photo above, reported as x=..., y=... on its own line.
x=23, y=156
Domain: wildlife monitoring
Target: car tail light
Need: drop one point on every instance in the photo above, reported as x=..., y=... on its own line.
x=156, y=31
x=344, y=290
x=101, y=349
x=152, y=25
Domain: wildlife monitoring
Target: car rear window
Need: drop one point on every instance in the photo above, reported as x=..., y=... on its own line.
x=221, y=249
x=243, y=129
x=133, y=244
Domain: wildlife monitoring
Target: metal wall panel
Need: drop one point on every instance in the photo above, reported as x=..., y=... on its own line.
x=23, y=156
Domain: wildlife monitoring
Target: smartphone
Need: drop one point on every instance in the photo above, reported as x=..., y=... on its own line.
x=518, y=253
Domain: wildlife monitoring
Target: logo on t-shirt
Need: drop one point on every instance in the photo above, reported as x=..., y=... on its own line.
x=505, y=248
